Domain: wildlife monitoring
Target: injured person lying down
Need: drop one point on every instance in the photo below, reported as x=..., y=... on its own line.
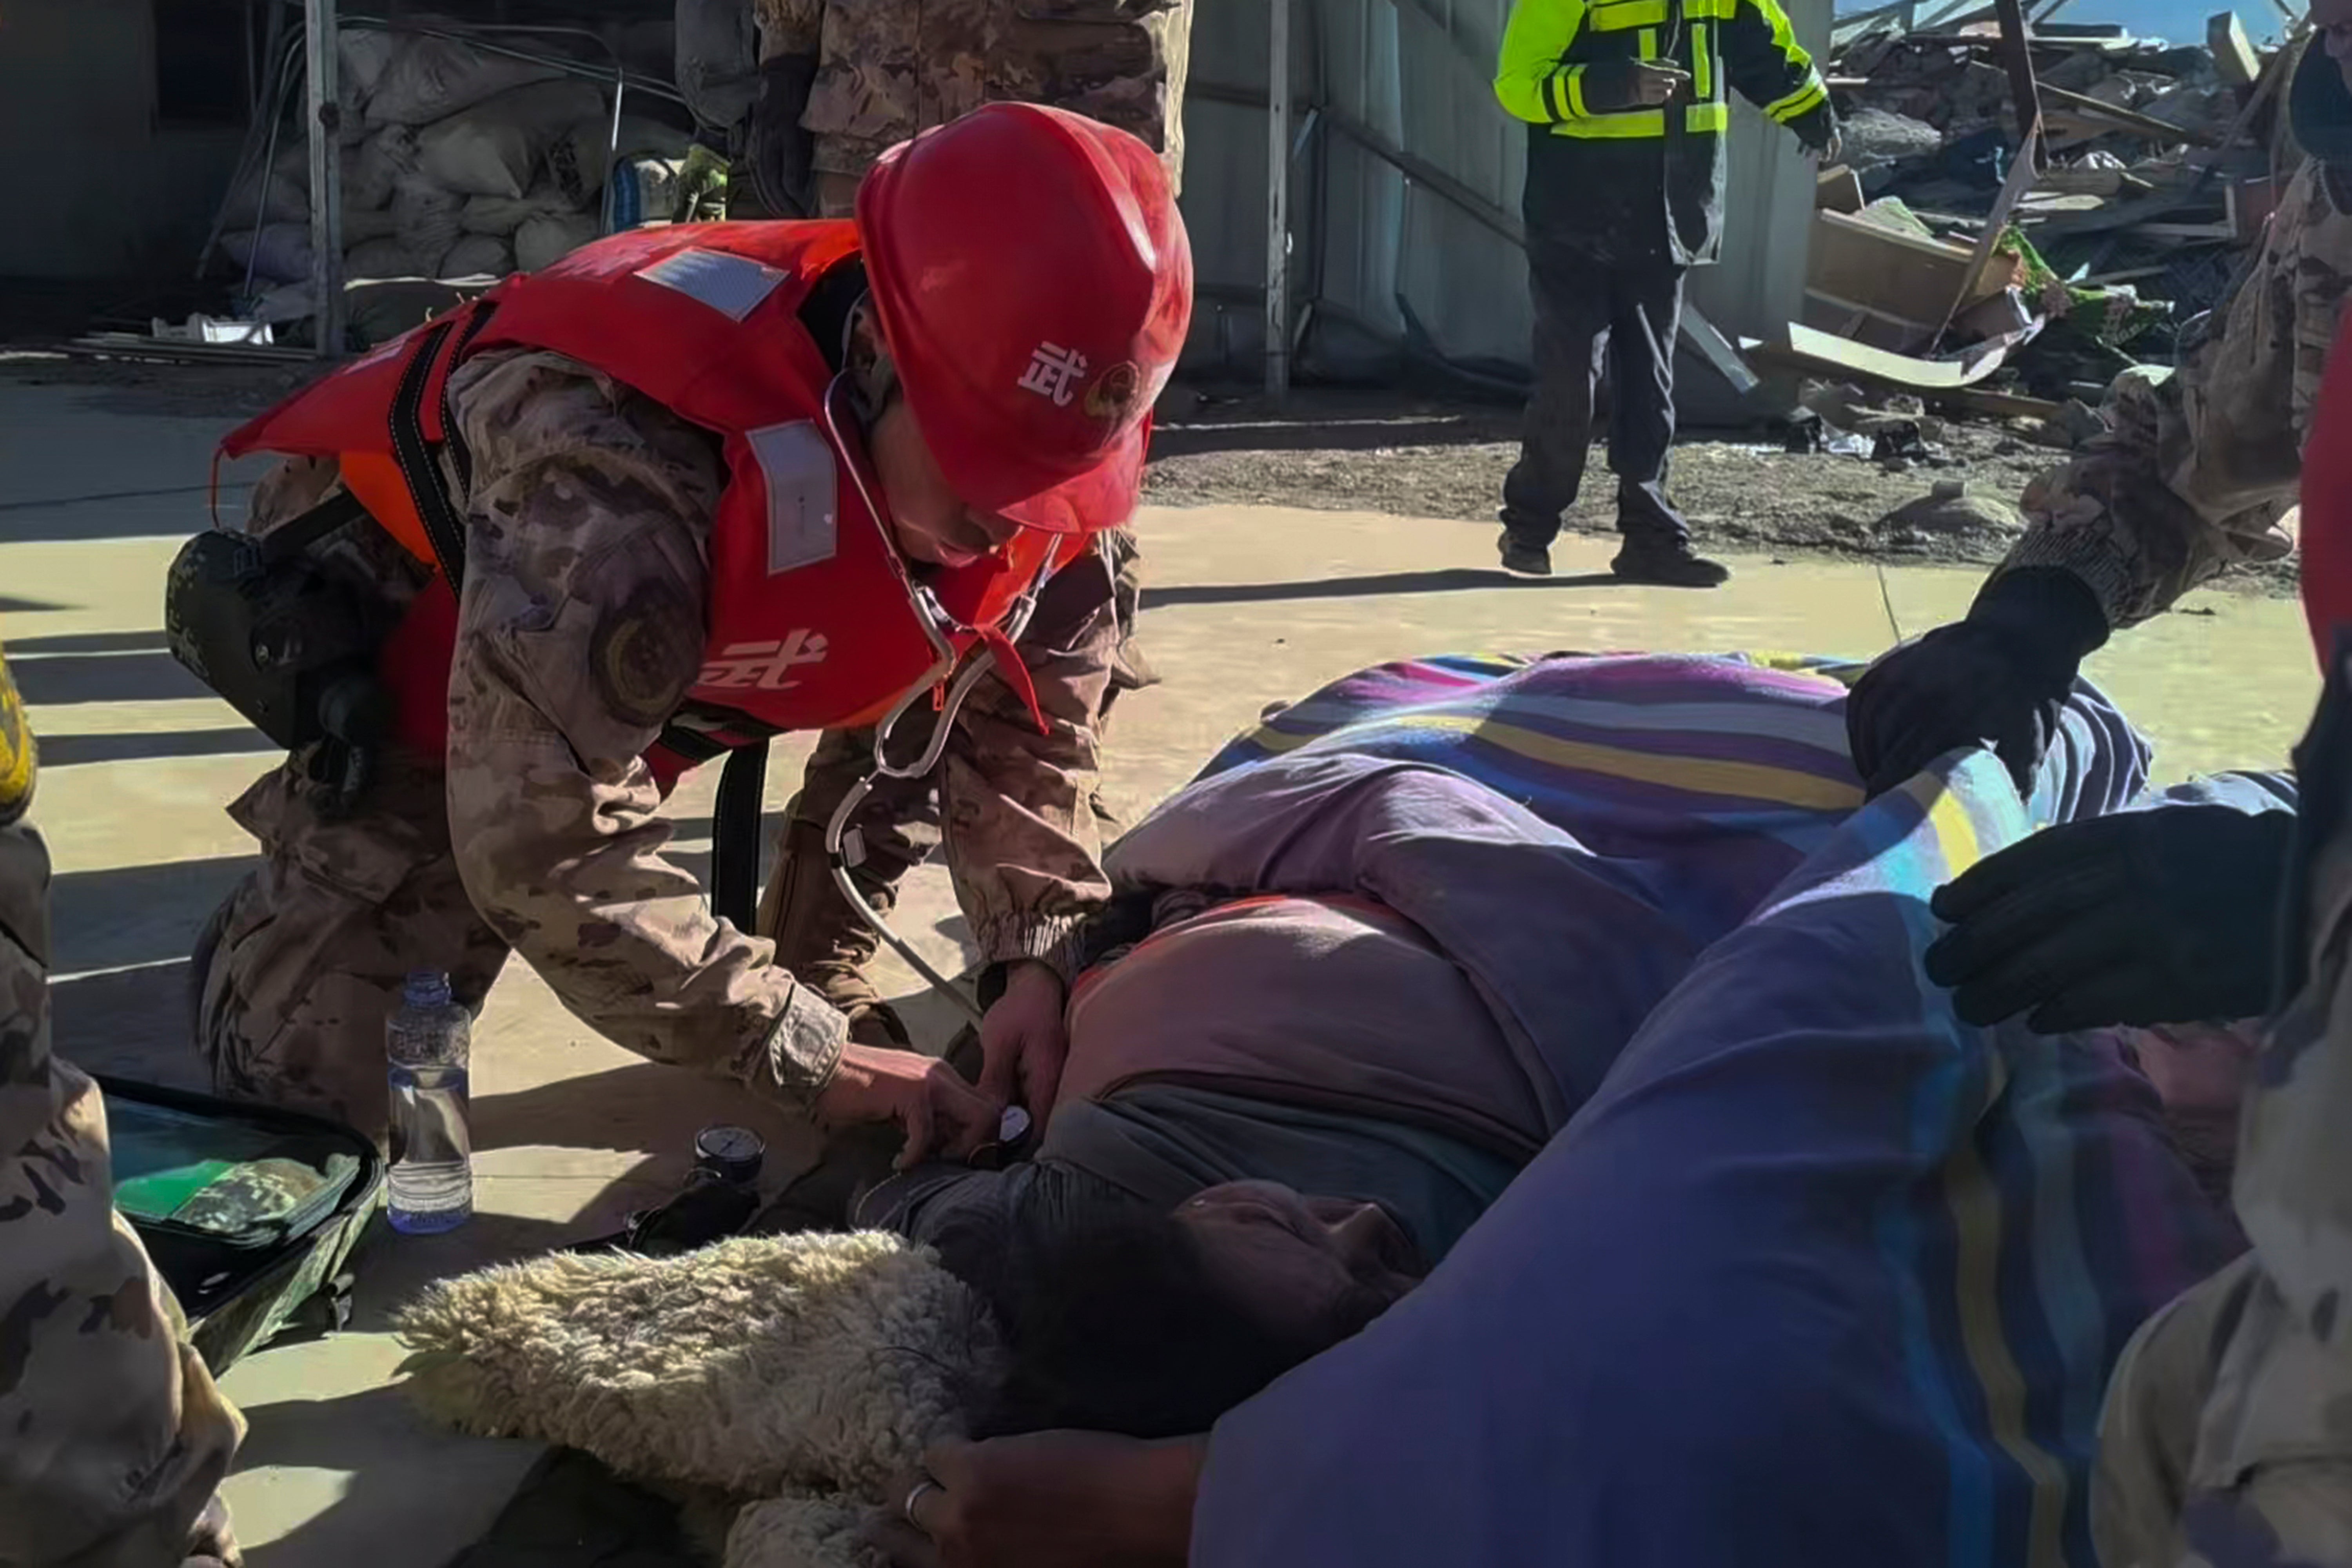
x=1375, y=962
x=1507, y=1119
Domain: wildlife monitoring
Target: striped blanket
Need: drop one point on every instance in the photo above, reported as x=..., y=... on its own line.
x=1818, y=1274
x=1744, y=743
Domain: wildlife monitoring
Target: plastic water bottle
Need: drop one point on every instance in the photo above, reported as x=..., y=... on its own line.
x=426, y=1043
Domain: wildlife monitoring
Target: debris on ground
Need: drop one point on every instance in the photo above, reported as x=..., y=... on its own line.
x=1955, y=255
x=1953, y=509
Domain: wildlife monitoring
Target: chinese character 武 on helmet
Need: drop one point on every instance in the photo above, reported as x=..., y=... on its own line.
x=1034, y=284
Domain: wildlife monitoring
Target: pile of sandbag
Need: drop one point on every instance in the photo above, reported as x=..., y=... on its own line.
x=456, y=162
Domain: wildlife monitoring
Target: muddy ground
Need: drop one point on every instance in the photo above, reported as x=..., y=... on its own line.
x=1382, y=452
x=1742, y=490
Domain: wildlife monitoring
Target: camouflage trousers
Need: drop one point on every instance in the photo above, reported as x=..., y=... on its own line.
x=819, y=937
x=116, y=1436
x=2227, y=1437
x=299, y=968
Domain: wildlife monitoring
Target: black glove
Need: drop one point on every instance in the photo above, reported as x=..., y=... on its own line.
x=1998, y=678
x=2164, y=916
x=1816, y=131
x=783, y=153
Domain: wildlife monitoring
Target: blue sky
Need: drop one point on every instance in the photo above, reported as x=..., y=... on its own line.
x=2181, y=21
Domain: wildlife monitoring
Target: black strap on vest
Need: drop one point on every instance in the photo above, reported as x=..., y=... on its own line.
x=735, y=834
x=297, y=534
x=445, y=525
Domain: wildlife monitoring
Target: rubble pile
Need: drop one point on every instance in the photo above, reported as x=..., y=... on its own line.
x=1941, y=265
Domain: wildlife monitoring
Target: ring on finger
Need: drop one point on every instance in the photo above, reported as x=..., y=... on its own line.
x=914, y=1496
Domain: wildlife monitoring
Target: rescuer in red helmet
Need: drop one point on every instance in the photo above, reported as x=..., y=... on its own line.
x=686, y=489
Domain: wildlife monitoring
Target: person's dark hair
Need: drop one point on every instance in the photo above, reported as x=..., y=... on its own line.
x=1111, y=1322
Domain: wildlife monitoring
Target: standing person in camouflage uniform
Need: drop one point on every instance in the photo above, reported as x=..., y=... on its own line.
x=593, y=618
x=2227, y=1437
x=116, y=1438
x=842, y=80
x=859, y=76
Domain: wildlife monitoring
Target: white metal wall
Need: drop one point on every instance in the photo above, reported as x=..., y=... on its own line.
x=1416, y=76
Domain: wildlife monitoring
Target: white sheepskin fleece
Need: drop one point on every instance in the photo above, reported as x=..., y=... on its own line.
x=800, y=1375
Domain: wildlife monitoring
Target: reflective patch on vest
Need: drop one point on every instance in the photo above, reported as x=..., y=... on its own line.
x=731, y=285
x=796, y=464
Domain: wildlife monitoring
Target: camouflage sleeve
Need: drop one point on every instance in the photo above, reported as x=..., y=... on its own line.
x=2322, y=247
x=2196, y=475
x=788, y=27
x=1017, y=807
x=116, y=1438
x=579, y=630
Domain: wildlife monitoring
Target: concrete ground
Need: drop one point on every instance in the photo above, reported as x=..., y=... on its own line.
x=1244, y=606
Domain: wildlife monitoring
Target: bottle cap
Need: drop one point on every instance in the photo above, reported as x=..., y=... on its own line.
x=426, y=988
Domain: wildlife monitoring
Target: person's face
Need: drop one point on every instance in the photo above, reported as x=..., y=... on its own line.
x=1303, y=1265
x=2333, y=21
x=927, y=519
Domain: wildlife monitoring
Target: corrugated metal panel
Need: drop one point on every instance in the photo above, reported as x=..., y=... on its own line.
x=1414, y=76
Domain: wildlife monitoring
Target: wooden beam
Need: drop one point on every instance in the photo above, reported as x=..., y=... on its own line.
x=2233, y=55
x=2080, y=107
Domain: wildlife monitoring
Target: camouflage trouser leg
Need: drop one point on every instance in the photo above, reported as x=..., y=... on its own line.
x=1131, y=670
x=297, y=972
x=818, y=936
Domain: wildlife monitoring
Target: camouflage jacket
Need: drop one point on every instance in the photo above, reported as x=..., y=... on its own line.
x=580, y=628
x=2198, y=473
x=115, y=1438
x=887, y=68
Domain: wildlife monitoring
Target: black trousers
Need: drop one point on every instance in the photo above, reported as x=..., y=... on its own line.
x=1592, y=313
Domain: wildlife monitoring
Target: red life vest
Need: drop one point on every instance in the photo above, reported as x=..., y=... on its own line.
x=812, y=620
x=2324, y=536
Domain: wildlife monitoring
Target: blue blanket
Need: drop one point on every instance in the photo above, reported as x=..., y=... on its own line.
x=1819, y=1275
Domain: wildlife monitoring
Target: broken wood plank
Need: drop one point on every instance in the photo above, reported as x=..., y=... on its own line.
x=1896, y=273
x=2233, y=55
x=2223, y=233
x=2081, y=106
x=2024, y=168
x=1999, y=404
x=2122, y=214
x=1809, y=348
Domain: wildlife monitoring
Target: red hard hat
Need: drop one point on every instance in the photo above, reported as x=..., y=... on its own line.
x=1034, y=285
x=2325, y=541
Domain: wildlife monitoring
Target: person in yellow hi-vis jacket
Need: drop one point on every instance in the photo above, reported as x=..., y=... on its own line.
x=1627, y=106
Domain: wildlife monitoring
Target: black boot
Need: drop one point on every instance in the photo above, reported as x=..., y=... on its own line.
x=1667, y=562
x=1527, y=560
